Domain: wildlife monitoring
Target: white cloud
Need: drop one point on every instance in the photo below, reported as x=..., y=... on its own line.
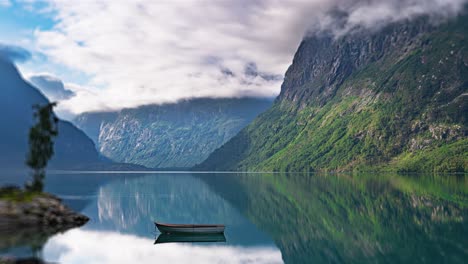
x=144, y=52
x=52, y=87
x=79, y=246
x=372, y=14
x=5, y=3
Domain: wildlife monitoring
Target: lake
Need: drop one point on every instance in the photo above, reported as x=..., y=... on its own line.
x=269, y=218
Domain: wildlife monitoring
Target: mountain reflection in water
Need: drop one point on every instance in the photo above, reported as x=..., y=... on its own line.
x=269, y=218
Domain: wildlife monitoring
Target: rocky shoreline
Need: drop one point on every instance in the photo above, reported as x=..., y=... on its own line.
x=29, y=219
x=43, y=210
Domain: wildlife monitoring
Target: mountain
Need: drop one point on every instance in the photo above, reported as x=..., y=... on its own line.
x=176, y=135
x=72, y=146
x=393, y=99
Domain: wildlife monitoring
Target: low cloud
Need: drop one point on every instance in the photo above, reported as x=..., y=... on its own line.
x=52, y=87
x=145, y=52
x=345, y=16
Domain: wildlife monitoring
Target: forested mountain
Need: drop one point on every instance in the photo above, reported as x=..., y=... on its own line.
x=394, y=98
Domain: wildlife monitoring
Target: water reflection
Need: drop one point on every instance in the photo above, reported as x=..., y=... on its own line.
x=270, y=218
x=131, y=205
x=355, y=219
x=23, y=242
x=85, y=246
x=184, y=238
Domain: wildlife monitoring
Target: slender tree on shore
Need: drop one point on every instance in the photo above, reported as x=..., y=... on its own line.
x=41, y=144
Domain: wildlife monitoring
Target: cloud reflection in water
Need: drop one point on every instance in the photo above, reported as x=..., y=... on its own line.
x=82, y=246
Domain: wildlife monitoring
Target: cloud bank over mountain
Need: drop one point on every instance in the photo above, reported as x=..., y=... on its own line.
x=145, y=52
x=345, y=16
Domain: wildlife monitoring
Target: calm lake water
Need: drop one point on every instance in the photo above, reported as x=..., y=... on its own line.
x=269, y=218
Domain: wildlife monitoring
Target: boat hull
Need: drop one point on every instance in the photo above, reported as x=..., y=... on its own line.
x=189, y=229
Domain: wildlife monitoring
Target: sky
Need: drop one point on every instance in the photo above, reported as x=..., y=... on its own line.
x=113, y=54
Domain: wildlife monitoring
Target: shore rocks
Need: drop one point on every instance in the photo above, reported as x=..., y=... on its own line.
x=44, y=210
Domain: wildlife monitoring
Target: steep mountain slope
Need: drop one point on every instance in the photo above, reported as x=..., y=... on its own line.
x=171, y=135
x=17, y=97
x=396, y=97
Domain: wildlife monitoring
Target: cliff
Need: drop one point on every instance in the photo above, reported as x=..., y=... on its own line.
x=176, y=135
x=392, y=99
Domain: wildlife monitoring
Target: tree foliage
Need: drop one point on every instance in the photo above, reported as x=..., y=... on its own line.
x=41, y=143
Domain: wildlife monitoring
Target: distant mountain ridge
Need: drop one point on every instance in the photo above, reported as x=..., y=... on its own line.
x=392, y=99
x=17, y=97
x=175, y=135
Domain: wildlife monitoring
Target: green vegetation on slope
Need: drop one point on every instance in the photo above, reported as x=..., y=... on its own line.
x=15, y=194
x=404, y=110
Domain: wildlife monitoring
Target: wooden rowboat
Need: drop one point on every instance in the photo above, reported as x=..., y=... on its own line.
x=189, y=229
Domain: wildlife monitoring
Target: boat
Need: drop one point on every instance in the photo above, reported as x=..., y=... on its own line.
x=181, y=238
x=189, y=229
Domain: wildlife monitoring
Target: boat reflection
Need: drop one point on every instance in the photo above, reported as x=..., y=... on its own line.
x=92, y=247
x=183, y=238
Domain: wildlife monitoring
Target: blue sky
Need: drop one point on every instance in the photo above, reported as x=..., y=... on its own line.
x=18, y=22
x=17, y=25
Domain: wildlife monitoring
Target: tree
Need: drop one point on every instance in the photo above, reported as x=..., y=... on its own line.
x=41, y=143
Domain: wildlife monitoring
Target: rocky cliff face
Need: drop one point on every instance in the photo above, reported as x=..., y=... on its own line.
x=322, y=63
x=172, y=135
x=394, y=98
